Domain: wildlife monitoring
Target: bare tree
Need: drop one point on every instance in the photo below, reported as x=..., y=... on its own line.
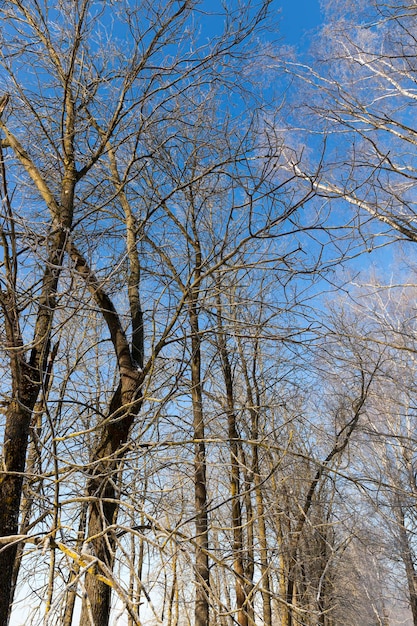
x=160, y=225
x=360, y=92
x=76, y=136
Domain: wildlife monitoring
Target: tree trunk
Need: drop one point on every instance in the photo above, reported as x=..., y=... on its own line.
x=27, y=382
x=29, y=375
x=407, y=558
x=202, y=577
x=254, y=401
x=237, y=524
x=101, y=488
x=11, y=480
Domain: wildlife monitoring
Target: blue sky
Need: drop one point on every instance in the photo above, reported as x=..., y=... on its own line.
x=297, y=18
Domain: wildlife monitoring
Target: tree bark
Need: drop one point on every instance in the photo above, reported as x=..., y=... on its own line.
x=102, y=491
x=202, y=575
x=407, y=558
x=233, y=436
x=253, y=398
x=30, y=375
x=107, y=457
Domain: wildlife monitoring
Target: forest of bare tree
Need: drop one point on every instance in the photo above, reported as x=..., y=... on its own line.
x=208, y=329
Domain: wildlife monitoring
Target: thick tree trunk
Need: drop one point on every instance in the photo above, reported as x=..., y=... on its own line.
x=107, y=458
x=28, y=496
x=106, y=462
x=27, y=382
x=18, y=419
x=102, y=515
x=29, y=375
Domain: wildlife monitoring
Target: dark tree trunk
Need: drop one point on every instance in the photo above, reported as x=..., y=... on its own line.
x=29, y=375
x=101, y=489
x=11, y=480
x=237, y=523
x=202, y=577
x=28, y=378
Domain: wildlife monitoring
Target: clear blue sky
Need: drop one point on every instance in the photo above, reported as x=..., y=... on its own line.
x=297, y=18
